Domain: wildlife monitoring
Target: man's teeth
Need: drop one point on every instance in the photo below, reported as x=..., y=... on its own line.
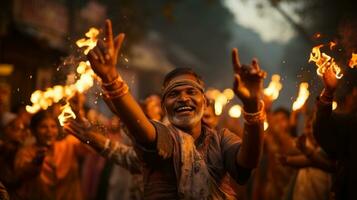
x=184, y=108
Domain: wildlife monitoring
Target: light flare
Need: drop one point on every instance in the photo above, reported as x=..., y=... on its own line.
x=302, y=96
x=334, y=105
x=219, y=102
x=235, y=111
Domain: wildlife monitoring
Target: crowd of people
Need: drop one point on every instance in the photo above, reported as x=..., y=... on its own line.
x=173, y=145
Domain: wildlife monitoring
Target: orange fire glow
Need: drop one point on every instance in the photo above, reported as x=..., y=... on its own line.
x=67, y=113
x=324, y=62
x=274, y=87
x=353, y=61
x=44, y=99
x=90, y=42
x=302, y=96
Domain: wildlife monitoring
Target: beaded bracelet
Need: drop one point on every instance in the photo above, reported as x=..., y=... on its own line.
x=255, y=118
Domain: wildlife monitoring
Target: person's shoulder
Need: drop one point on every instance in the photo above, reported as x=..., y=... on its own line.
x=225, y=135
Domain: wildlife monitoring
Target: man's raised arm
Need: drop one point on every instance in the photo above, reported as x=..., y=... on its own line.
x=248, y=86
x=103, y=59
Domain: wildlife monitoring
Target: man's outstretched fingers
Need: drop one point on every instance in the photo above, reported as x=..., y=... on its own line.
x=103, y=49
x=235, y=60
x=118, y=41
x=255, y=64
x=108, y=31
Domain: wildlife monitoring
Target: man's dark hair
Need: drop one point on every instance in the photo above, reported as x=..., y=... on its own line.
x=182, y=71
x=283, y=110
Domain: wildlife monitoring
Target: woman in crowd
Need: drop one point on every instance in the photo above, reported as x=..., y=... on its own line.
x=51, y=164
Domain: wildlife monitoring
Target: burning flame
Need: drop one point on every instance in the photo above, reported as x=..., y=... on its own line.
x=274, y=87
x=44, y=99
x=90, y=42
x=235, y=111
x=353, y=61
x=334, y=105
x=302, y=96
x=66, y=114
x=323, y=62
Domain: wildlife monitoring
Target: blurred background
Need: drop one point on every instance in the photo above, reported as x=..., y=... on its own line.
x=37, y=40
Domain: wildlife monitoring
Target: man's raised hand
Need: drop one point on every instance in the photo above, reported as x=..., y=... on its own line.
x=104, y=56
x=248, y=81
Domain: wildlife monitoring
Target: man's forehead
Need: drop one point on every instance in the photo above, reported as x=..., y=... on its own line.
x=184, y=76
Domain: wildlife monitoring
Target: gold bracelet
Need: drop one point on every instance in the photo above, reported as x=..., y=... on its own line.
x=123, y=90
x=117, y=80
x=255, y=118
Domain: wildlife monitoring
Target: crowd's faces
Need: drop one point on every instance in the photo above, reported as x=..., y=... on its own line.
x=46, y=132
x=185, y=105
x=153, y=107
x=210, y=118
x=280, y=122
x=16, y=131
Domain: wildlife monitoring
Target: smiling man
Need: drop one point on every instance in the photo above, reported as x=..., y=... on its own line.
x=185, y=159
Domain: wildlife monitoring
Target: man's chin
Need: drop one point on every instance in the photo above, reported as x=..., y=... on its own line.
x=183, y=122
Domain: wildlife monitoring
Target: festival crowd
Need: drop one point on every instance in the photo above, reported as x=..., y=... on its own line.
x=174, y=146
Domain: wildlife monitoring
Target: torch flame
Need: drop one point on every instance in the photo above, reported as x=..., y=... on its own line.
x=274, y=87
x=324, y=62
x=302, y=96
x=235, y=111
x=90, y=42
x=66, y=114
x=353, y=61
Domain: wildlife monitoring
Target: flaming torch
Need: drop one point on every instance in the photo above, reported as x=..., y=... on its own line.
x=324, y=62
x=302, y=96
x=44, y=99
x=274, y=87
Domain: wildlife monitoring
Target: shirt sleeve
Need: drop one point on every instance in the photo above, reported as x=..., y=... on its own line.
x=164, y=145
x=125, y=156
x=230, y=145
x=328, y=129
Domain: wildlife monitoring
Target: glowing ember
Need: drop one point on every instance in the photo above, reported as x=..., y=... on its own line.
x=90, y=42
x=332, y=45
x=235, y=111
x=274, y=87
x=353, y=61
x=228, y=93
x=334, y=105
x=302, y=96
x=324, y=62
x=66, y=114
